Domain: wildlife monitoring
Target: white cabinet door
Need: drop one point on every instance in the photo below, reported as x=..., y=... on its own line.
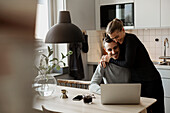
x=82, y=13
x=167, y=104
x=147, y=13
x=165, y=73
x=165, y=13
x=166, y=86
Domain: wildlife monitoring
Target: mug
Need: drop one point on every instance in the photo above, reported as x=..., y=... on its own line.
x=87, y=98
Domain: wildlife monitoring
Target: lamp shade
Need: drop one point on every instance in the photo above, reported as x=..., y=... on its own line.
x=64, y=31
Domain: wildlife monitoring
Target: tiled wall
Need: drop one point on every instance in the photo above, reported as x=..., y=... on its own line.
x=95, y=45
x=147, y=36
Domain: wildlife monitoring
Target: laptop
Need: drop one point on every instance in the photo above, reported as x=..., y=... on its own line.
x=128, y=93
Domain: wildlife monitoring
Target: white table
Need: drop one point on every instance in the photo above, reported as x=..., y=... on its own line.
x=70, y=106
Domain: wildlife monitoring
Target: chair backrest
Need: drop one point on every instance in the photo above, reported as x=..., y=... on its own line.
x=73, y=83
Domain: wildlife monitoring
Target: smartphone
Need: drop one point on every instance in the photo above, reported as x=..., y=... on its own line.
x=78, y=98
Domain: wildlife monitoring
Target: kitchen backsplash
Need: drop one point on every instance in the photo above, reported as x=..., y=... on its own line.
x=147, y=36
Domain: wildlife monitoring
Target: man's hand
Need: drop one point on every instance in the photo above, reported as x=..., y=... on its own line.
x=105, y=59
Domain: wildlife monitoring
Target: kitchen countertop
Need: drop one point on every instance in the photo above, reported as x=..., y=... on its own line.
x=158, y=66
x=162, y=66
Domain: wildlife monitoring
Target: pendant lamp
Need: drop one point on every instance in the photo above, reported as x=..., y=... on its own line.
x=64, y=31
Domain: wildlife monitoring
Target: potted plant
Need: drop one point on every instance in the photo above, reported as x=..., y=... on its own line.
x=44, y=83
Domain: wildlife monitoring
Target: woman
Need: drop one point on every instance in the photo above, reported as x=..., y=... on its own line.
x=136, y=58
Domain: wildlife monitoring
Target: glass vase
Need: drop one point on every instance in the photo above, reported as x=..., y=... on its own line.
x=45, y=85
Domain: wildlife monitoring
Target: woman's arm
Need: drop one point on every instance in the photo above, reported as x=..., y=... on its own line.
x=130, y=54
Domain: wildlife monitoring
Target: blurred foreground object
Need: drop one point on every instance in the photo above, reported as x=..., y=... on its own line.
x=17, y=22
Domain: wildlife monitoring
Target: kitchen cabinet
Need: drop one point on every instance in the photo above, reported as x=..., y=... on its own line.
x=82, y=13
x=166, y=84
x=147, y=13
x=167, y=103
x=165, y=75
x=152, y=13
x=165, y=17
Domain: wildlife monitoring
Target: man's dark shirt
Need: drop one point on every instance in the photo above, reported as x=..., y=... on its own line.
x=135, y=57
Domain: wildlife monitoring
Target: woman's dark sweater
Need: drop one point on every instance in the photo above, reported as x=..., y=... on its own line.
x=136, y=58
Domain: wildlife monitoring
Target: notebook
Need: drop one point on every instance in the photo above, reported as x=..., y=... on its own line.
x=120, y=93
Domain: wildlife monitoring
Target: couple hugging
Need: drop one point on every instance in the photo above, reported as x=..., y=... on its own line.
x=127, y=60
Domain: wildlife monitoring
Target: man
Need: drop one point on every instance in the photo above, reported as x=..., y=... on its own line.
x=112, y=73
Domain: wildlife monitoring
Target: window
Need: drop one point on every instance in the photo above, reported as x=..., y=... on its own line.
x=42, y=22
x=41, y=29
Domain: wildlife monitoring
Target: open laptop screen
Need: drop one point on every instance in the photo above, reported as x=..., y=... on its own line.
x=128, y=93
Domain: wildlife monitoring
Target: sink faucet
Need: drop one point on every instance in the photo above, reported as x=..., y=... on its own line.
x=165, y=41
